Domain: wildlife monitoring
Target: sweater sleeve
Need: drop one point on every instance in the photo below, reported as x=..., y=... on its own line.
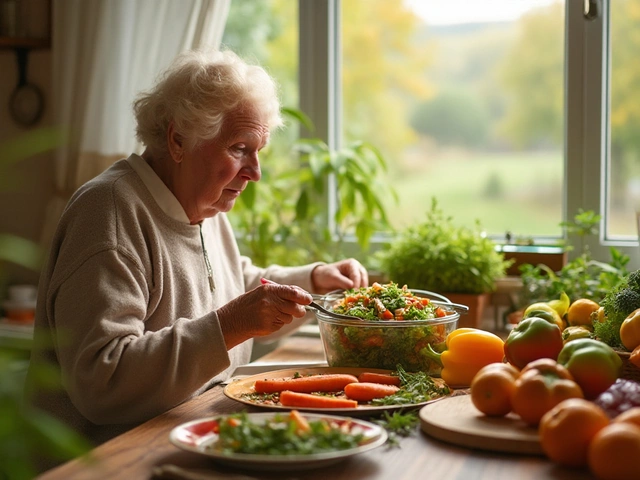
x=114, y=369
x=299, y=275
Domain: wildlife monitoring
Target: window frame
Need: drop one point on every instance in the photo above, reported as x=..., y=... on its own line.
x=587, y=72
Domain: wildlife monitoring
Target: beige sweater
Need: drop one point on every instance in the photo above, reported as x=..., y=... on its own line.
x=126, y=305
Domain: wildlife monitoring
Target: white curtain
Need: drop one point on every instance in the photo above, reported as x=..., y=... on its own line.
x=104, y=53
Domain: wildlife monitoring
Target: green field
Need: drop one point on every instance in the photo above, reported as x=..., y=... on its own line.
x=518, y=192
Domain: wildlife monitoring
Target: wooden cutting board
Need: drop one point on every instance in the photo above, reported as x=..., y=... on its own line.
x=456, y=420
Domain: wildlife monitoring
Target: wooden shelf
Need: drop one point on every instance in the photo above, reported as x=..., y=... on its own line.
x=24, y=42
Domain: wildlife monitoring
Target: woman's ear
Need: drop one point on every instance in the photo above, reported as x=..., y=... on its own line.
x=175, y=143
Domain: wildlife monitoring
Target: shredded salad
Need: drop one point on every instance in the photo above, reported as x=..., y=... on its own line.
x=387, y=302
x=286, y=435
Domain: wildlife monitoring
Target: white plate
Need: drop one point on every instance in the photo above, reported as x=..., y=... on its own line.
x=197, y=436
x=238, y=390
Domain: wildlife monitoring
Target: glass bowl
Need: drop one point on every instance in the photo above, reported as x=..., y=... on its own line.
x=385, y=343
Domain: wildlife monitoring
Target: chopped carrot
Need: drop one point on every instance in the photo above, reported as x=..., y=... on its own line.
x=301, y=423
x=296, y=399
x=334, y=382
x=386, y=314
x=364, y=392
x=233, y=422
x=371, y=377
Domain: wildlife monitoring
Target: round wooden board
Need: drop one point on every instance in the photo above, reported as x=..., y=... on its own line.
x=456, y=420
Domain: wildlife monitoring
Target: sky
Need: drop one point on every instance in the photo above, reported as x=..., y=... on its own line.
x=447, y=12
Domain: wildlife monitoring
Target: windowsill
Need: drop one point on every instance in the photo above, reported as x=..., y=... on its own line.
x=543, y=249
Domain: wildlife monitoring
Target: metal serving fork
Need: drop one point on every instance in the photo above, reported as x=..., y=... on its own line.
x=318, y=308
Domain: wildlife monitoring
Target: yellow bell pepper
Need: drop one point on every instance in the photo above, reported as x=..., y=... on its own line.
x=467, y=351
x=575, y=331
x=630, y=330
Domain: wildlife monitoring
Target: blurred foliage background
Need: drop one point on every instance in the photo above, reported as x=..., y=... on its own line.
x=26, y=433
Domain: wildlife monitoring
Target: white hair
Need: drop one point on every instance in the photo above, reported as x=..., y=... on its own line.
x=198, y=90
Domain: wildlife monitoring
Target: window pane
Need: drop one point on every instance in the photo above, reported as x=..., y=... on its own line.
x=269, y=39
x=465, y=100
x=623, y=192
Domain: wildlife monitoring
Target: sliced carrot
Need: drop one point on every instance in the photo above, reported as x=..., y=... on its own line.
x=333, y=382
x=301, y=423
x=386, y=314
x=296, y=399
x=364, y=392
x=233, y=422
x=371, y=377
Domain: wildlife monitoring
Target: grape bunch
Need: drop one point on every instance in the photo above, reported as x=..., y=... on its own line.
x=619, y=397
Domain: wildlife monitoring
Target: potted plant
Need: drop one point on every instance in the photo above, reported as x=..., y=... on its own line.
x=582, y=277
x=456, y=261
x=283, y=219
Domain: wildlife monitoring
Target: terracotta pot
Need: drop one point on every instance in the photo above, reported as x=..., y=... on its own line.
x=476, y=304
x=553, y=257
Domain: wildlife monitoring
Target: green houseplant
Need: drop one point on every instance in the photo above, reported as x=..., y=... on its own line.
x=582, y=277
x=283, y=218
x=437, y=255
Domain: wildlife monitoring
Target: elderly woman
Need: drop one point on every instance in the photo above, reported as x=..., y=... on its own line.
x=146, y=300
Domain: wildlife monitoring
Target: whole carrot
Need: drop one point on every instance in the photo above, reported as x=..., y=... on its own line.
x=296, y=399
x=364, y=392
x=371, y=377
x=333, y=382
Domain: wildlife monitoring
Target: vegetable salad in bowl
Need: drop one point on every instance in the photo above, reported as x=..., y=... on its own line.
x=388, y=302
x=394, y=325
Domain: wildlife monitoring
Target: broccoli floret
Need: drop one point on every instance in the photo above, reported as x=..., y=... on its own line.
x=626, y=301
x=633, y=280
x=619, y=302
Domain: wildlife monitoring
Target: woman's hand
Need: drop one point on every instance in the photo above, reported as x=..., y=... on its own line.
x=345, y=274
x=261, y=311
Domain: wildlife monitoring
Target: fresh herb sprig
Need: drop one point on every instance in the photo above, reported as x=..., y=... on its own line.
x=414, y=388
x=398, y=424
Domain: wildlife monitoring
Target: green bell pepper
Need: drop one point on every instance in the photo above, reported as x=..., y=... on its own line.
x=595, y=366
x=531, y=339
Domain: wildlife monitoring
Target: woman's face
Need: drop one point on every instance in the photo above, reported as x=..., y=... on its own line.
x=213, y=174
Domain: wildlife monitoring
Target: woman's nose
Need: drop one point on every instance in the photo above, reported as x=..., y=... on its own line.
x=252, y=170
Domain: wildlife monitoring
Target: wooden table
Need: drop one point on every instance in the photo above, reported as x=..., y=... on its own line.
x=134, y=454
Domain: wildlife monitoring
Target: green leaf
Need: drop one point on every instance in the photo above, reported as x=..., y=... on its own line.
x=299, y=116
x=302, y=206
x=316, y=164
x=20, y=251
x=29, y=144
x=58, y=440
x=248, y=197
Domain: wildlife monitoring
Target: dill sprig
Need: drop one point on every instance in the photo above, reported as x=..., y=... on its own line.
x=398, y=424
x=414, y=388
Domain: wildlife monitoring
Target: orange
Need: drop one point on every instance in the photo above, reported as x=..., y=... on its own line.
x=631, y=416
x=614, y=452
x=492, y=388
x=568, y=428
x=542, y=385
x=580, y=311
